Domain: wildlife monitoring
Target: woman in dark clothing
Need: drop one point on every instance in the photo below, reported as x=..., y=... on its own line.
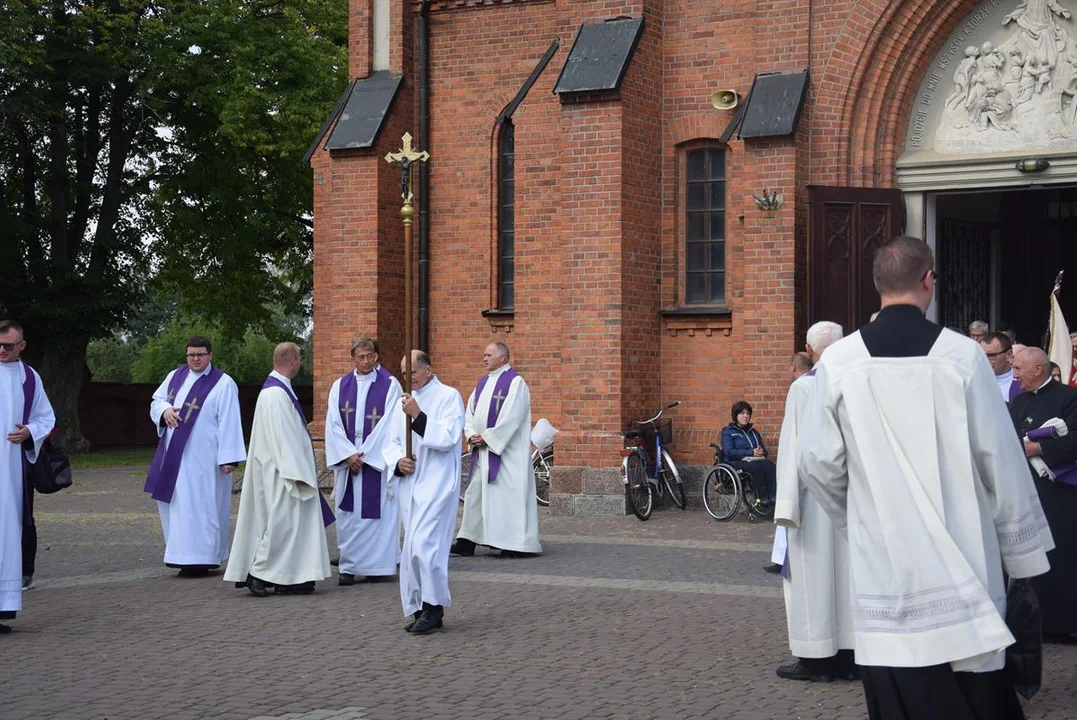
x=742, y=447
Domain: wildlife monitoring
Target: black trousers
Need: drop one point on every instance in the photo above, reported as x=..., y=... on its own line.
x=764, y=476
x=938, y=693
x=29, y=528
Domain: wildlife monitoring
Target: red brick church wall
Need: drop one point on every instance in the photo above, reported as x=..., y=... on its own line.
x=598, y=215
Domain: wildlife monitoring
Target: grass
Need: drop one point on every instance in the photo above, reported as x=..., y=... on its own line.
x=119, y=457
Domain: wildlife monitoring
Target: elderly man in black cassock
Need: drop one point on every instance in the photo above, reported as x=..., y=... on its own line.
x=1053, y=461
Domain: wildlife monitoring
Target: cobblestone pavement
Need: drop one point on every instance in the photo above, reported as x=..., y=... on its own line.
x=672, y=618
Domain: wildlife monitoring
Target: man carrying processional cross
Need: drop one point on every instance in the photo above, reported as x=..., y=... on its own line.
x=196, y=412
x=368, y=532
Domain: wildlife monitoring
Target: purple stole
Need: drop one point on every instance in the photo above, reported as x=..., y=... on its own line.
x=375, y=398
x=1015, y=390
x=164, y=470
x=501, y=391
x=1065, y=474
x=29, y=387
x=327, y=513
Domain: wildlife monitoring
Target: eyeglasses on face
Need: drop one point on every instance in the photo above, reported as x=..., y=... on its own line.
x=195, y=356
x=994, y=355
x=10, y=347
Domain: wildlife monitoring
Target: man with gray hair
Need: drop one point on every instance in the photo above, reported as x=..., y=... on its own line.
x=978, y=329
x=500, y=509
x=816, y=564
x=908, y=448
x=1052, y=455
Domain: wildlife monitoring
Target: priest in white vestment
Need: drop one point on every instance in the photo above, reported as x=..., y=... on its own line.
x=500, y=509
x=356, y=423
x=818, y=605
x=802, y=363
x=429, y=491
x=25, y=428
x=906, y=444
x=196, y=413
x=280, y=531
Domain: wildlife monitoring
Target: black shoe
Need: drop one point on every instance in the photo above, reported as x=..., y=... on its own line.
x=346, y=579
x=797, y=671
x=305, y=588
x=193, y=572
x=516, y=554
x=462, y=547
x=773, y=569
x=256, y=587
x=415, y=616
x=335, y=562
x=377, y=578
x=431, y=619
x=4, y=629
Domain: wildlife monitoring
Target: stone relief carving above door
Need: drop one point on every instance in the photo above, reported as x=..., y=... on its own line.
x=1005, y=81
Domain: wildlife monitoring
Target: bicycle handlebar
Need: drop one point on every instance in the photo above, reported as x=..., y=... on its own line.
x=660, y=413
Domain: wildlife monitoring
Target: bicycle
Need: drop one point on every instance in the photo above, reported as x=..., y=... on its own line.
x=727, y=488
x=541, y=463
x=640, y=476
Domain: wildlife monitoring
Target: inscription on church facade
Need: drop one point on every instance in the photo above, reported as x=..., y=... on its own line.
x=1005, y=81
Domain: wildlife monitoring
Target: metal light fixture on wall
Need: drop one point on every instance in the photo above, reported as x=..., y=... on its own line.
x=1029, y=165
x=768, y=201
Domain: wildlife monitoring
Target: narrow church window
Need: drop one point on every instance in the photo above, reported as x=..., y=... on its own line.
x=704, y=266
x=506, y=219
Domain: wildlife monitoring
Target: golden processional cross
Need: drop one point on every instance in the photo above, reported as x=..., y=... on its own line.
x=407, y=156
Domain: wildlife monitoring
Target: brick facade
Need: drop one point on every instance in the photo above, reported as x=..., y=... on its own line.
x=599, y=229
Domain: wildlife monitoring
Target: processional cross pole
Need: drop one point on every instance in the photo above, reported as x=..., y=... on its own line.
x=407, y=156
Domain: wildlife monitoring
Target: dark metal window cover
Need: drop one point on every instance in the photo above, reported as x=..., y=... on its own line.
x=337, y=107
x=365, y=112
x=774, y=104
x=599, y=57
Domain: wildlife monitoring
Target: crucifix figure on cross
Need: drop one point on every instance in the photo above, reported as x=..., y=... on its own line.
x=191, y=406
x=406, y=156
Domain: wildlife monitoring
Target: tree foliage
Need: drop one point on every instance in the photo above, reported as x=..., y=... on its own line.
x=142, y=137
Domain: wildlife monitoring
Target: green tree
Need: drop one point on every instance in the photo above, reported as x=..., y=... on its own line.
x=110, y=359
x=139, y=137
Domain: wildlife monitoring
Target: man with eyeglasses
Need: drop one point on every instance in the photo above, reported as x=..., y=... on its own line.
x=1053, y=461
x=196, y=412
x=999, y=350
x=907, y=448
x=27, y=417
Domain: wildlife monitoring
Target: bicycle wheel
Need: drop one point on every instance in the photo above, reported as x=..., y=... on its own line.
x=672, y=480
x=465, y=472
x=721, y=493
x=542, y=464
x=639, y=492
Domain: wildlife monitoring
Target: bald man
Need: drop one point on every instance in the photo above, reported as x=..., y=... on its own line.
x=1055, y=477
x=280, y=532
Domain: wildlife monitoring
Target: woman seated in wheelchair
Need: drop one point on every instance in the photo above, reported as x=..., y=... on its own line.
x=742, y=447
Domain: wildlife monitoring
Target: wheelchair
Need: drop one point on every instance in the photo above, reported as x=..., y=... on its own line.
x=727, y=489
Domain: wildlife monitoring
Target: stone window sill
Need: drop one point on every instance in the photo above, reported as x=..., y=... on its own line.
x=500, y=320
x=692, y=319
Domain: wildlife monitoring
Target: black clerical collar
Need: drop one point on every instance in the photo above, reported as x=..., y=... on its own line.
x=903, y=312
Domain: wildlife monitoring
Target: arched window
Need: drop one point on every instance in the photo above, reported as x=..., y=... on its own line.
x=506, y=217
x=704, y=226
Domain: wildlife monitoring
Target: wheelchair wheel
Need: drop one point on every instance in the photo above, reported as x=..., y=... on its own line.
x=755, y=511
x=722, y=493
x=542, y=463
x=639, y=492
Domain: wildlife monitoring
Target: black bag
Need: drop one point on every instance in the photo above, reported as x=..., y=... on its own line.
x=52, y=470
x=1024, y=659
